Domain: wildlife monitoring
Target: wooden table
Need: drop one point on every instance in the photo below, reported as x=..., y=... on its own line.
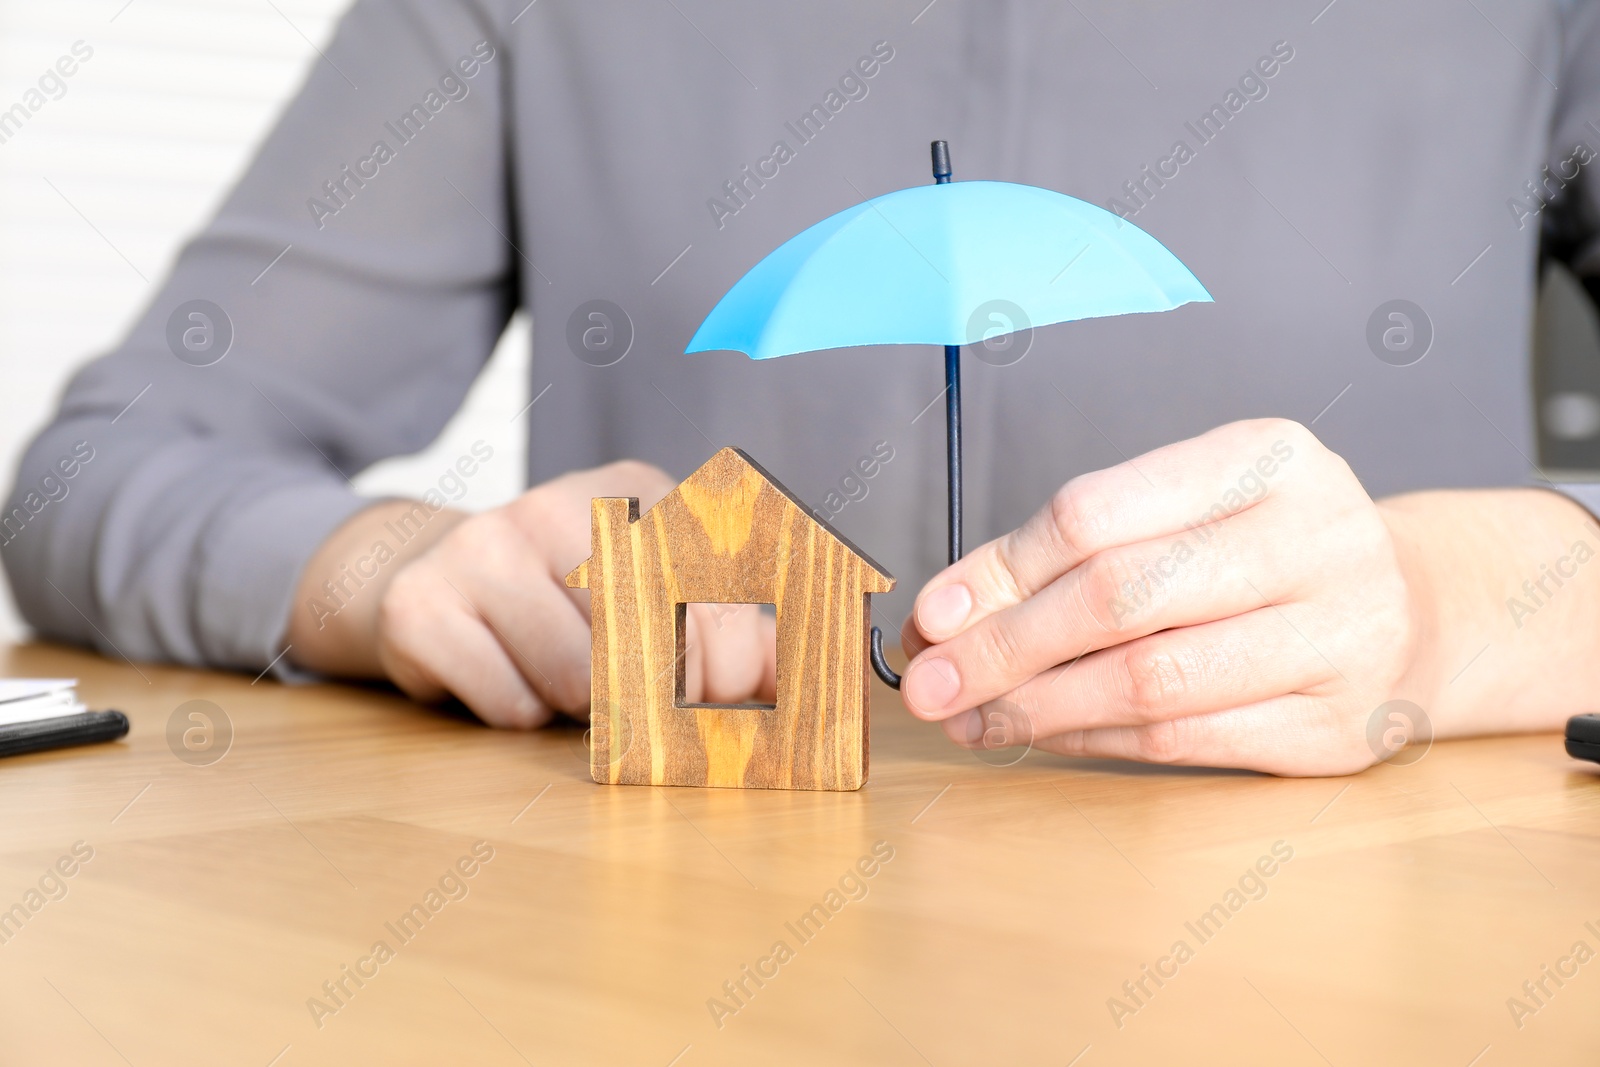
x=1006, y=906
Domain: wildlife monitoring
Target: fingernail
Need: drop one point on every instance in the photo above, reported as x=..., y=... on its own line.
x=932, y=684
x=942, y=611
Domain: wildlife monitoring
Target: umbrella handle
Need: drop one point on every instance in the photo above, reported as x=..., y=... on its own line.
x=952, y=403
x=881, y=665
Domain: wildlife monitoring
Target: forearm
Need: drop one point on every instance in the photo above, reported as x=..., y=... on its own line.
x=154, y=542
x=333, y=623
x=1504, y=586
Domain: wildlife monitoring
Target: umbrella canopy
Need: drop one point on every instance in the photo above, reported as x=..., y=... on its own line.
x=927, y=265
x=913, y=266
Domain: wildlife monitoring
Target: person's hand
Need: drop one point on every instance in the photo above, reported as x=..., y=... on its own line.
x=484, y=613
x=1234, y=600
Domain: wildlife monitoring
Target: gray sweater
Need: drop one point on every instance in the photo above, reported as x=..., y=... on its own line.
x=451, y=160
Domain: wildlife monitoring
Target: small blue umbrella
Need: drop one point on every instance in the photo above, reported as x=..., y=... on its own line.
x=930, y=265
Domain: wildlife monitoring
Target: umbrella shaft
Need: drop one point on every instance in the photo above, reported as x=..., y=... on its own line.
x=952, y=419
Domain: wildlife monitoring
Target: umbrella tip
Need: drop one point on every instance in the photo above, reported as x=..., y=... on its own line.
x=941, y=162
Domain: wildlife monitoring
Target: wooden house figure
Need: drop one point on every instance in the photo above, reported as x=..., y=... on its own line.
x=729, y=534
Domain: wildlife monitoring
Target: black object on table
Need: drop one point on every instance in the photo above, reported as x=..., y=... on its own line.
x=1583, y=737
x=84, y=728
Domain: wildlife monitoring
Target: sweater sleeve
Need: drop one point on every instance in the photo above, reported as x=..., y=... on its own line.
x=1565, y=199
x=333, y=313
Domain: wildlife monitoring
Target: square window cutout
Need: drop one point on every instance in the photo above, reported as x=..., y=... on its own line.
x=739, y=633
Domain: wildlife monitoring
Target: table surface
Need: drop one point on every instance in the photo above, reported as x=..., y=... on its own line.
x=1005, y=909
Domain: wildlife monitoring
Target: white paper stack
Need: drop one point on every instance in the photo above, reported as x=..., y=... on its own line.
x=31, y=699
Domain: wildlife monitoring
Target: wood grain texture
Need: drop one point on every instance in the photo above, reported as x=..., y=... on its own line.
x=729, y=534
x=1019, y=900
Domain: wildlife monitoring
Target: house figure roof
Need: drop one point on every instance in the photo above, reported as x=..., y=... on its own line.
x=731, y=477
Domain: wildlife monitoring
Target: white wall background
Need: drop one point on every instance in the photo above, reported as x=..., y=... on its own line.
x=103, y=185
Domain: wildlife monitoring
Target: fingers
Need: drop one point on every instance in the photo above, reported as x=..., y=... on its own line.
x=547, y=638
x=1169, y=490
x=912, y=642
x=729, y=654
x=431, y=649
x=1112, y=598
x=485, y=613
x=1172, y=674
x=490, y=567
x=767, y=691
x=1293, y=735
